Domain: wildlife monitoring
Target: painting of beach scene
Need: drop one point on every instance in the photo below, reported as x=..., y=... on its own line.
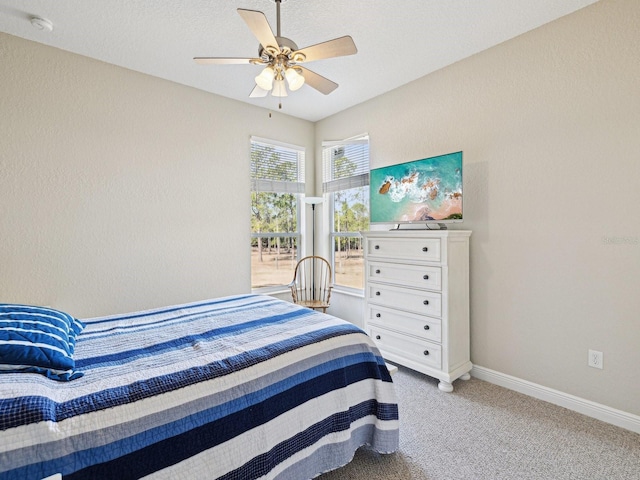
x=427, y=190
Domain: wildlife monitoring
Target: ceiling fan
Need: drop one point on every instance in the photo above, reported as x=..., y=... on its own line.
x=282, y=58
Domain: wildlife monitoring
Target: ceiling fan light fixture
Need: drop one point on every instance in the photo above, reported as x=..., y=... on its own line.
x=265, y=79
x=294, y=79
x=279, y=88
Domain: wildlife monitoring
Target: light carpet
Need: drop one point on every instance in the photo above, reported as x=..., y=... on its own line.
x=483, y=431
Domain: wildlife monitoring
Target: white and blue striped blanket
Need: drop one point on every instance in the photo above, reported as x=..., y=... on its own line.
x=238, y=387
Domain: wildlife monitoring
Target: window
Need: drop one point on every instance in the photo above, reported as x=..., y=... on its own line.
x=345, y=181
x=277, y=182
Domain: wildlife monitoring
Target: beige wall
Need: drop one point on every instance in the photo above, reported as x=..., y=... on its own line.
x=549, y=124
x=120, y=191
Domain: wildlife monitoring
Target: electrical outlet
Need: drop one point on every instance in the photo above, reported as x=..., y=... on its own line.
x=595, y=359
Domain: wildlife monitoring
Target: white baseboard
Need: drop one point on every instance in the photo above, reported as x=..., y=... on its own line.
x=610, y=415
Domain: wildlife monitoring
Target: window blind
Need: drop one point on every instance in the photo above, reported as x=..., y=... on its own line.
x=345, y=164
x=276, y=167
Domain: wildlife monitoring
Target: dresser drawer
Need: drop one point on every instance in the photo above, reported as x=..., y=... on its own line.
x=412, y=275
x=421, y=351
x=414, y=249
x=416, y=301
x=424, y=327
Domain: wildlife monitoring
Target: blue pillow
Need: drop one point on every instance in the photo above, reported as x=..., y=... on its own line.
x=38, y=340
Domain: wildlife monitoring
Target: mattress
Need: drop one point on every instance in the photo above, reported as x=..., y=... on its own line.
x=238, y=387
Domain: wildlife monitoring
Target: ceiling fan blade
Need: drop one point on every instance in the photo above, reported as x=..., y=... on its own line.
x=320, y=83
x=259, y=26
x=226, y=61
x=258, y=92
x=337, y=47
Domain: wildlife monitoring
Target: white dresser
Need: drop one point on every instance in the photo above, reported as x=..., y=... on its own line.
x=417, y=300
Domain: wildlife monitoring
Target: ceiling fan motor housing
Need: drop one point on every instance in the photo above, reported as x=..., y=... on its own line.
x=287, y=46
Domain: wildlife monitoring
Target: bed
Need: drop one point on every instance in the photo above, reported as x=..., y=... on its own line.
x=239, y=387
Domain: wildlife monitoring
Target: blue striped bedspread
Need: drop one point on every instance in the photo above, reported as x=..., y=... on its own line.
x=238, y=387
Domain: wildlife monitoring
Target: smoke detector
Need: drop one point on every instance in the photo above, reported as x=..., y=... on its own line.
x=42, y=24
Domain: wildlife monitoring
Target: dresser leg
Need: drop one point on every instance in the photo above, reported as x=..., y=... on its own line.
x=466, y=376
x=445, y=386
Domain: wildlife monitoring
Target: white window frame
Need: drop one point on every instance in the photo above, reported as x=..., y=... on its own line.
x=330, y=185
x=280, y=186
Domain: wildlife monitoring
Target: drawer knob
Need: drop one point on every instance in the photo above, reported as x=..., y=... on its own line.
x=427, y=327
x=377, y=315
x=377, y=247
x=378, y=271
x=426, y=352
x=378, y=293
x=377, y=337
x=426, y=302
x=425, y=249
x=426, y=277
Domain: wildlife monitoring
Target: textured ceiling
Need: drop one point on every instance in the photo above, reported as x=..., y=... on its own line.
x=397, y=41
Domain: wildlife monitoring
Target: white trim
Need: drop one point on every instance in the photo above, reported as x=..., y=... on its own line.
x=610, y=415
x=360, y=140
x=278, y=143
x=345, y=290
x=363, y=139
x=272, y=290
